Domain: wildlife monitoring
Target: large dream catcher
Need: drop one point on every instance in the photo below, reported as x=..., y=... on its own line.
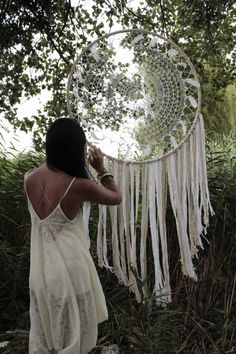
x=138, y=98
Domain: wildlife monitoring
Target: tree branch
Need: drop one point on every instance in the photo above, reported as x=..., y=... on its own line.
x=47, y=31
x=163, y=19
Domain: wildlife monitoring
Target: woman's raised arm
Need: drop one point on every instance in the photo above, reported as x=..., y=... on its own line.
x=108, y=193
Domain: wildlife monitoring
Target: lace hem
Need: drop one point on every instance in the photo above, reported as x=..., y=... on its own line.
x=62, y=331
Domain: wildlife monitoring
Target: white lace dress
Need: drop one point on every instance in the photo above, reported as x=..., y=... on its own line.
x=66, y=297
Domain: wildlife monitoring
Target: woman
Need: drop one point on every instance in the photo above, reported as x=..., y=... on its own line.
x=66, y=297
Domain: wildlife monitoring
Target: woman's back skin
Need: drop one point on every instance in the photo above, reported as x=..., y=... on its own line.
x=45, y=188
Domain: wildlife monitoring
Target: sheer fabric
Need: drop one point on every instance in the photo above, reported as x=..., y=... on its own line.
x=66, y=297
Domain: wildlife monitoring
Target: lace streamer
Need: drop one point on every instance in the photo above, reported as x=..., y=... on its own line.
x=141, y=217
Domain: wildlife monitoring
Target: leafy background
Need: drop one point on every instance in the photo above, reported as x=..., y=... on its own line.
x=37, y=43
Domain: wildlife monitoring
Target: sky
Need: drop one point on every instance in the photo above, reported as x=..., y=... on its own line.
x=20, y=140
x=15, y=141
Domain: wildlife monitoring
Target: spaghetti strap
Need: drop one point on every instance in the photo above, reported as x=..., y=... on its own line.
x=67, y=190
x=45, y=194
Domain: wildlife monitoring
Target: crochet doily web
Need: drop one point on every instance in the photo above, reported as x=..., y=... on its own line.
x=135, y=93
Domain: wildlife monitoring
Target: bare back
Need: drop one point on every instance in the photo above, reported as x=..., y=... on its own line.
x=46, y=189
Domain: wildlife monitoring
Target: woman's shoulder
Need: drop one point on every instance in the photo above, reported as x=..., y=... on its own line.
x=29, y=172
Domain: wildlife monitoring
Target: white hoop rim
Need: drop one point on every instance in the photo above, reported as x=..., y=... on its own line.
x=198, y=110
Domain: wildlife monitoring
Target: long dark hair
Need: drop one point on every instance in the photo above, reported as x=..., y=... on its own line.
x=65, y=147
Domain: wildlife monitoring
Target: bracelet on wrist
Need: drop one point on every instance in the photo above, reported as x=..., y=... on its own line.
x=105, y=175
x=99, y=174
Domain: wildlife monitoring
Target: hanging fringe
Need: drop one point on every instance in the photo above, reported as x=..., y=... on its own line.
x=102, y=233
x=114, y=225
x=144, y=230
x=122, y=187
x=176, y=180
x=161, y=202
x=153, y=219
x=144, y=188
x=134, y=175
x=205, y=197
x=126, y=218
x=194, y=213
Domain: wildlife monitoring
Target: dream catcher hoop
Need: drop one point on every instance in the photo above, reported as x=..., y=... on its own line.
x=137, y=76
x=138, y=98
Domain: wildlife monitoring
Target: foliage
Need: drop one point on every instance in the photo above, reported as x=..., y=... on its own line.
x=230, y=98
x=201, y=317
x=38, y=41
x=14, y=239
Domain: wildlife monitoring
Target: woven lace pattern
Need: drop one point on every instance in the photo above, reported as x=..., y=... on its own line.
x=139, y=85
x=65, y=334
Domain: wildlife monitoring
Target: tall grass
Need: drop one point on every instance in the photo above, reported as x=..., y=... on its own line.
x=201, y=317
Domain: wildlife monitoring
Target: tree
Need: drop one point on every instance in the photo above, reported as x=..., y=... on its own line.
x=38, y=40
